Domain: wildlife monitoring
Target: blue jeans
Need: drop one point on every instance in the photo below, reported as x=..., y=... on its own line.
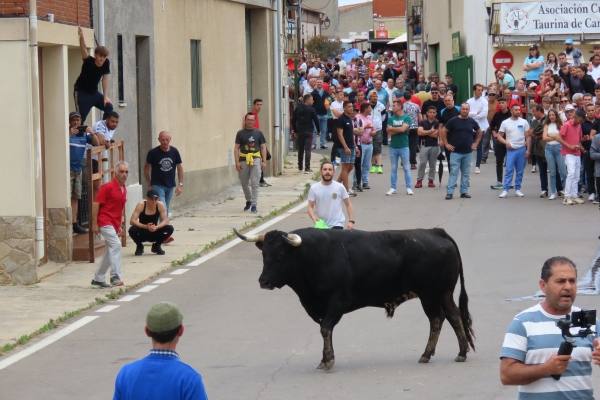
x=515, y=162
x=403, y=154
x=555, y=164
x=165, y=194
x=459, y=162
x=367, y=154
x=322, y=129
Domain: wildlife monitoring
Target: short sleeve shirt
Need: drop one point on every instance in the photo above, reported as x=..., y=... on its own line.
x=163, y=165
x=399, y=140
x=250, y=141
x=461, y=133
x=412, y=110
x=534, y=74
x=111, y=197
x=532, y=338
x=346, y=124
x=515, y=129
x=77, y=146
x=91, y=74
x=429, y=141
x=329, y=201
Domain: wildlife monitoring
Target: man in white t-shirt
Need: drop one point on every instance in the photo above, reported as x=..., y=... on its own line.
x=325, y=200
x=515, y=134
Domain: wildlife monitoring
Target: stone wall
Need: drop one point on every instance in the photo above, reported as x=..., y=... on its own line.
x=17, y=252
x=60, y=237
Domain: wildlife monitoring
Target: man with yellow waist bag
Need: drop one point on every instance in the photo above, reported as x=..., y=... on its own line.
x=250, y=154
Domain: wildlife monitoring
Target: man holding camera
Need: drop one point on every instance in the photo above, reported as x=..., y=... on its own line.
x=79, y=137
x=529, y=355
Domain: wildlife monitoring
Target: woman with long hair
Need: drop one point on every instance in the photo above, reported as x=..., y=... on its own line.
x=556, y=164
x=552, y=63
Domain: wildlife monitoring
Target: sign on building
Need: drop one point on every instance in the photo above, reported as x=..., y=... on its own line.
x=550, y=17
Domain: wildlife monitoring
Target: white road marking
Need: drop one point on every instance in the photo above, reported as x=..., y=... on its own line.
x=161, y=281
x=108, y=308
x=129, y=297
x=8, y=361
x=180, y=271
x=146, y=289
x=254, y=231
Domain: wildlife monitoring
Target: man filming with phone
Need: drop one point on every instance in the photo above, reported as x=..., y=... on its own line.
x=530, y=351
x=79, y=137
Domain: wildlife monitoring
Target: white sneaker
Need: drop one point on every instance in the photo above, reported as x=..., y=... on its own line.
x=390, y=192
x=477, y=170
x=409, y=191
x=552, y=196
x=592, y=197
x=503, y=194
x=543, y=193
x=534, y=169
x=519, y=193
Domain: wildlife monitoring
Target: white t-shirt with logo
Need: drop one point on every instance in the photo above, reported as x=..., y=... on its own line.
x=329, y=202
x=515, y=131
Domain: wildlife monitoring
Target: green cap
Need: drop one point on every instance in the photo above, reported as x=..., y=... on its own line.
x=163, y=317
x=320, y=224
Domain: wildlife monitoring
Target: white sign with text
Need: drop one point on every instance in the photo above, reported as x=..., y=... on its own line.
x=550, y=17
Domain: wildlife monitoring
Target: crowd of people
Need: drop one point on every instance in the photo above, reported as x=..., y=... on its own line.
x=547, y=114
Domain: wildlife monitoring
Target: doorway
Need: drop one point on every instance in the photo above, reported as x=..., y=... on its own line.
x=143, y=100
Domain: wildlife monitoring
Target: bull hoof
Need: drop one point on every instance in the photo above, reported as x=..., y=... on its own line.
x=424, y=360
x=460, y=358
x=326, y=365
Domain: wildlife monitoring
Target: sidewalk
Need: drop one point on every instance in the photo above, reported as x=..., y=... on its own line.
x=66, y=288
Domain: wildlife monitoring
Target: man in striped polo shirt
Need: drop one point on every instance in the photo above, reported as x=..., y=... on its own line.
x=529, y=352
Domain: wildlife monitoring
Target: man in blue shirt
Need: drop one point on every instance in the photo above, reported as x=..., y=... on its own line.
x=79, y=137
x=161, y=374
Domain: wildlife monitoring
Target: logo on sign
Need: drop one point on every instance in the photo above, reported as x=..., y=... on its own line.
x=516, y=19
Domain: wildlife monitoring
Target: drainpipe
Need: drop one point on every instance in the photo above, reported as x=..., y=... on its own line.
x=277, y=95
x=37, y=133
x=101, y=38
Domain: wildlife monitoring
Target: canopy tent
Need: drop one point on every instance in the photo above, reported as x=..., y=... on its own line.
x=399, y=39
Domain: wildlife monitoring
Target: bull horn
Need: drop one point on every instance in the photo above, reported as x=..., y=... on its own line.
x=293, y=239
x=249, y=238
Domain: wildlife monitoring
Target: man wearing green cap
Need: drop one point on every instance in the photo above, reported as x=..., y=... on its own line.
x=161, y=374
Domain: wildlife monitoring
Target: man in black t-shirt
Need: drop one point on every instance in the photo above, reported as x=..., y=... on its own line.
x=344, y=141
x=93, y=70
x=250, y=153
x=159, y=170
x=461, y=135
x=428, y=132
x=446, y=114
x=499, y=148
x=589, y=129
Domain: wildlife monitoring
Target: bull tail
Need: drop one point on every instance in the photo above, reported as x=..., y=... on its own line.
x=463, y=301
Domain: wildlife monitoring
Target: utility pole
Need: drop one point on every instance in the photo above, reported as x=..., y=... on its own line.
x=299, y=28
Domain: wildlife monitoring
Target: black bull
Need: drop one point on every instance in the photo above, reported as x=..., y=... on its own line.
x=335, y=272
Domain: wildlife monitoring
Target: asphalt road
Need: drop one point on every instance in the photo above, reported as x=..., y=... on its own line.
x=250, y=343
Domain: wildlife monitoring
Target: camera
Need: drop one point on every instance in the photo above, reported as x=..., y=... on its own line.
x=584, y=319
x=82, y=129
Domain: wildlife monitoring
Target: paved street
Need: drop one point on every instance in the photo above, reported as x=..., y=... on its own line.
x=250, y=343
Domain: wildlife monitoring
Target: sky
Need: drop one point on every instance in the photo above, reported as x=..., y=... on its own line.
x=348, y=2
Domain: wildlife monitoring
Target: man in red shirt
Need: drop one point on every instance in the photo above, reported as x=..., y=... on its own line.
x=107, y=218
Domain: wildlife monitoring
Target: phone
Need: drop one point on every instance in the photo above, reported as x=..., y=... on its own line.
x=82, y=129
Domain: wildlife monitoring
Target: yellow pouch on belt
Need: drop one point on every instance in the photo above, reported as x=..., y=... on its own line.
x=250, y=157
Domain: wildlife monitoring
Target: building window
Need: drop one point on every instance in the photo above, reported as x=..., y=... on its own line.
x=196, y=62
x=120, y=68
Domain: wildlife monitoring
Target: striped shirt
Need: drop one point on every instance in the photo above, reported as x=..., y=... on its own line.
x=532, y=338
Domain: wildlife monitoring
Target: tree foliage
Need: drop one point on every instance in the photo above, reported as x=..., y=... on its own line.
x=324, y=47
